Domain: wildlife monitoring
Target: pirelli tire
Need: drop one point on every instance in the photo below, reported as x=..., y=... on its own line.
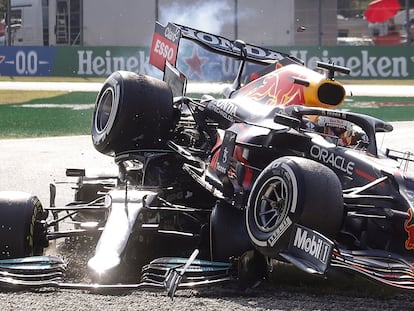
x=132, y=112
x=22, y=230
x=292, y=190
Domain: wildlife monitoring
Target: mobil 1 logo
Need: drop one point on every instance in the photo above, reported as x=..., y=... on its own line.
x=311, y=248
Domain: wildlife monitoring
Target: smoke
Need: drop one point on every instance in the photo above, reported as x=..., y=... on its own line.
x=209, y=16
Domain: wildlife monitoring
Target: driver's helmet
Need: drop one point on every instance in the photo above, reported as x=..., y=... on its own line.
x=340, y=132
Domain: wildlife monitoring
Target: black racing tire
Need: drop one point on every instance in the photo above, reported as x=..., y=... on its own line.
x=293, y=190
x=132, y=112
x=22, y=230
x=228, y=234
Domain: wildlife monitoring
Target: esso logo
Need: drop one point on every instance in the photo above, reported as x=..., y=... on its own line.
x=164, y=50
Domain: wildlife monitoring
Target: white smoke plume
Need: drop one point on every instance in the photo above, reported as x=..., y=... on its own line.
x=209, y=16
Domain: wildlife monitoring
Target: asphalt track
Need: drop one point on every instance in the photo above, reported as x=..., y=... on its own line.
x=31, y=164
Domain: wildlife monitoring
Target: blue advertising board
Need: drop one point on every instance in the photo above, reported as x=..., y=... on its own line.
x=27, y=61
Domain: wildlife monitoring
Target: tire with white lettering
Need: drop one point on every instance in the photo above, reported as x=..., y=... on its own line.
x=292, y=190
x=132, y=112
x=22, y=232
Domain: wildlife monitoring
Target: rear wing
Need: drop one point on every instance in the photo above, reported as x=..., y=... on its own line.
x=166, y=41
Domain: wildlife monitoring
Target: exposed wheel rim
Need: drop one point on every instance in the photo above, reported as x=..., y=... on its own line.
x=104, y=110
x=272, y=205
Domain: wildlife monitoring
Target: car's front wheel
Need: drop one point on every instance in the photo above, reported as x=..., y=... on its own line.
x=22, y=232
x=292, y=190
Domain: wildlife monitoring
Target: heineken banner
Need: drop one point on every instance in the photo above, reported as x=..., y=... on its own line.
x=365, y=62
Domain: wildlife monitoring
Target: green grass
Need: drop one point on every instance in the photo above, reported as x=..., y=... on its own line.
x=388, y=109
x=62, y=114
x=101, y=79
x=50, y=79
x=67, y=114
x=378, y=82
x=13, y=97
x=389, y=114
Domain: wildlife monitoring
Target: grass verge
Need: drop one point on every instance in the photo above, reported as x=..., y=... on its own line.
x=58, y=115
x=41, y=113
x=14, y=97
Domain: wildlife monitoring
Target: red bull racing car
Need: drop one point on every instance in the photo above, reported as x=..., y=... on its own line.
x=212, y=189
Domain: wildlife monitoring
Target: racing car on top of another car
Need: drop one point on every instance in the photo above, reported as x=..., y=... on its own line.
x=215, y=189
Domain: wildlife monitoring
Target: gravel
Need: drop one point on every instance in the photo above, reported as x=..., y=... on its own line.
x=265, y=297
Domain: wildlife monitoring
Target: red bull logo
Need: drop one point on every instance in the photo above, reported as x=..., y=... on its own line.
x=295, y=85
x=409, y=228
x=275, y=89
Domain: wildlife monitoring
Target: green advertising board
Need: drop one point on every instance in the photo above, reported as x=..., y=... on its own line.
x=100, y=61
x=370, y=62
x=365, y=62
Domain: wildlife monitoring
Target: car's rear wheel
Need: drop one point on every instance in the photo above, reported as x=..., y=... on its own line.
x=22, y=231
x=132, y=112
x=292, y=190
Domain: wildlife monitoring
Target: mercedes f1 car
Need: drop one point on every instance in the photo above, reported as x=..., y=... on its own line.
x=217, y=189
